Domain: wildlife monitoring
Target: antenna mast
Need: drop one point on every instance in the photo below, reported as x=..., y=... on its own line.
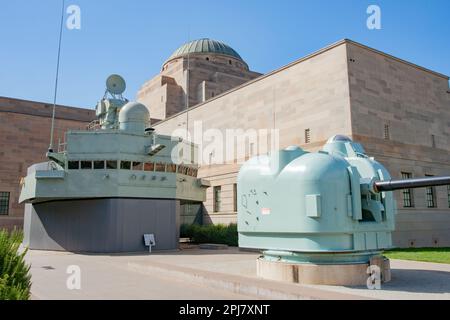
x=50, y=148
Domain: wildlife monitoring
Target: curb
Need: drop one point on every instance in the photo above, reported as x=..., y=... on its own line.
x=258, y=288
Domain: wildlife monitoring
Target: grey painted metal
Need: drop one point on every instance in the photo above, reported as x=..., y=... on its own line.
x=392, y=185
x=111, y=184
x=102, y=225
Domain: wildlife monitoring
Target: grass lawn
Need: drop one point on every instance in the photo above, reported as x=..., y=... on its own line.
x=439, y=255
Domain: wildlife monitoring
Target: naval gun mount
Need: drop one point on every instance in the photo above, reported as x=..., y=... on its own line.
x=322, y=217
x=111, y=184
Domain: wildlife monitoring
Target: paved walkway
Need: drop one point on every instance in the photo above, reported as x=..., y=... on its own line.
x=194, y=273
x=108, y=277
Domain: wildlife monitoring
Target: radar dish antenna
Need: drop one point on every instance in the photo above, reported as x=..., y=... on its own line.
x=115, y=84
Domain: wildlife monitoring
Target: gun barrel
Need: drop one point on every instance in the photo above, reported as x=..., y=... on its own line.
x=392, y=185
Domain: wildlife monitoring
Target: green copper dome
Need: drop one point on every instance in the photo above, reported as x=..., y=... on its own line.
x=205, y=46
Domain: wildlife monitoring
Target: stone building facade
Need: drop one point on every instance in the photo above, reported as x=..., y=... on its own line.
x=399, y=111
x=24, y=139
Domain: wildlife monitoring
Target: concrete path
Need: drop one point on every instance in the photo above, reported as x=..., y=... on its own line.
x=108, y=277
x=194, y=273
x=410, y=280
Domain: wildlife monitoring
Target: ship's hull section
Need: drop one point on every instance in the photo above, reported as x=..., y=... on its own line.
x=104, y=225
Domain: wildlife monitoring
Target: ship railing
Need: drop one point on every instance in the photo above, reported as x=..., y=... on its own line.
x=62, y=146
x=93, y=125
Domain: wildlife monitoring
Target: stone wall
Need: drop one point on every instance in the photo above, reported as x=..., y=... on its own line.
x=414, y=104
x=24, y=140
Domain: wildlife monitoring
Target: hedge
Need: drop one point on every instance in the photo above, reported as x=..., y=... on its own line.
x=211, y=233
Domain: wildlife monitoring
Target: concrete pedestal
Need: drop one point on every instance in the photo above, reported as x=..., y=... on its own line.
x=325, y=274
x=102, y=225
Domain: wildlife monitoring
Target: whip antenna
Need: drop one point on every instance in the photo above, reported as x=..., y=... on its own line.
x=50, y=148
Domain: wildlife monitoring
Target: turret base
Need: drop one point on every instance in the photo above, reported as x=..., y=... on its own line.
x=326, y=274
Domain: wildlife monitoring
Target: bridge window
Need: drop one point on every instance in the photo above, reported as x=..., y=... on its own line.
x=86, y=164
x=160, y=167
x=407, y=193
x=172, y=168
x=73, y=165
x=149, y=166
x=99, y=164
x=137, y=166
x=111, y=164
x=126, y=165
x=4, y=203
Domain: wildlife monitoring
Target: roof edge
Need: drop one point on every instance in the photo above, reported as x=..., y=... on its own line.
x=307, y=57
x=363, y=46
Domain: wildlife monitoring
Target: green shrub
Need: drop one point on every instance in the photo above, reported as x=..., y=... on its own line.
x=211, y=233
x=15, y=281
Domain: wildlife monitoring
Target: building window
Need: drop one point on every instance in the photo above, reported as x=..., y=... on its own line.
x=217, y=198
x=230, y=62
x=386, y=132
x=430, y=196
x=307, y=135
x=4, y=203
x=433, y=141
x=407, y=193
x=207, y=58
x=448, y=195
x=235, y=197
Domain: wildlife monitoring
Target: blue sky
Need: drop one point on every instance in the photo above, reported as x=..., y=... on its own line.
x=134, y=37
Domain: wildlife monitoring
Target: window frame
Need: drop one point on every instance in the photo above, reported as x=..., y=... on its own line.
x=5, y=196
x=108, y=162
x=407, y=194
x=85, y=162
x=72, y=162
x=217, y=198
x=103, y=167
x=430, y=195
x=235, y=197
x=308, y=135
x=448, y=195
x=124, y=164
